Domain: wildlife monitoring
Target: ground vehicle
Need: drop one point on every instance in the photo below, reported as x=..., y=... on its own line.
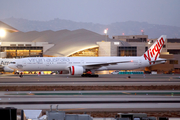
x=115, y=72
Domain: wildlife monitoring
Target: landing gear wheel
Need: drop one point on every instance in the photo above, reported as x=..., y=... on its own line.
x=94, y=76
x=85, y=75
x=89, y=75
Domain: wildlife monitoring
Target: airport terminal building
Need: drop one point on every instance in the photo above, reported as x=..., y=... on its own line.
x=84, y=43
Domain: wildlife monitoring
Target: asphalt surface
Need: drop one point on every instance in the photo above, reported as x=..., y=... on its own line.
x=135, y=80
x=92, y=100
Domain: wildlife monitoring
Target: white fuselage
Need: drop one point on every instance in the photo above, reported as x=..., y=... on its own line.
x=63, y=63
x=79, y=65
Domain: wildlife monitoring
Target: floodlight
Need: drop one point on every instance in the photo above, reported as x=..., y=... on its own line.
x=2, y=32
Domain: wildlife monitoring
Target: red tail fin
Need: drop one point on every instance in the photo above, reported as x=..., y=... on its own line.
x=154, y=51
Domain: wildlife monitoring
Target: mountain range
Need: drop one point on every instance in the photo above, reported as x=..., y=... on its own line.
x=114, y=29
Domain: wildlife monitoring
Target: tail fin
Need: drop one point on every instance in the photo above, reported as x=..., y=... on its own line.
x=154, y=51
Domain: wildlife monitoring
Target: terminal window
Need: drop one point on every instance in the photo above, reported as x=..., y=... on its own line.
x=18, y=52
x=91, y=52
x=173, y=61
x=146, y=48
x=136, y=40
x=12, y=45
x=173, y=40
x=127, y=51
x=173, y=51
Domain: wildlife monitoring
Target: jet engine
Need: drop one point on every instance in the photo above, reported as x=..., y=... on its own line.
x=76, y=70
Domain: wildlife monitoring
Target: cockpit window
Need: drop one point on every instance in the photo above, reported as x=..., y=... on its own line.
x=12, y=62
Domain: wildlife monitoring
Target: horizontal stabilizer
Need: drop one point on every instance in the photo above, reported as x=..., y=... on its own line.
x=159, y=60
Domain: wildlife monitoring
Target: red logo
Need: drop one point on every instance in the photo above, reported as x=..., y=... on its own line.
x=154, y=51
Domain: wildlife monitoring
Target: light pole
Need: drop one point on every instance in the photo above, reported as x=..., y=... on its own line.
x=105, y=31
x=142, y=31
x=2, y=34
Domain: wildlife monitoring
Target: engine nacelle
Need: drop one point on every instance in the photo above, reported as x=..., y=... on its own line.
x=7, y=69
x=76, y=70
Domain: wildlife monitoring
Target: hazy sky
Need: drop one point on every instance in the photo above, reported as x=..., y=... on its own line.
x=166, y=12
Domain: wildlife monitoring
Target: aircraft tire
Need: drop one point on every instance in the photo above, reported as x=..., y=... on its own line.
x=94, y=76
x=85, y=75
x=89, y=75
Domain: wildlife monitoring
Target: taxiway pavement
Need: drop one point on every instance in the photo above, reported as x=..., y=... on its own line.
x=118, y=80
x=91, y=100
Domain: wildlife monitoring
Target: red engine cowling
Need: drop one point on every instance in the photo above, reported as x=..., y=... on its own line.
x=76, y=70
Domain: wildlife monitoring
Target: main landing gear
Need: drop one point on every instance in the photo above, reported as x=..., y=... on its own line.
x=89, y=75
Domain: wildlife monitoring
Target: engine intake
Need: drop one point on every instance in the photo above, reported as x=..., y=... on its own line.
x=76, y=70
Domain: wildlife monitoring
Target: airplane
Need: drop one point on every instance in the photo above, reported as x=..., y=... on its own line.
x=4, y=65
x=80, y=65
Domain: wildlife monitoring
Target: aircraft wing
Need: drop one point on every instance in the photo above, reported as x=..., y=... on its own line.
x=106, y=64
